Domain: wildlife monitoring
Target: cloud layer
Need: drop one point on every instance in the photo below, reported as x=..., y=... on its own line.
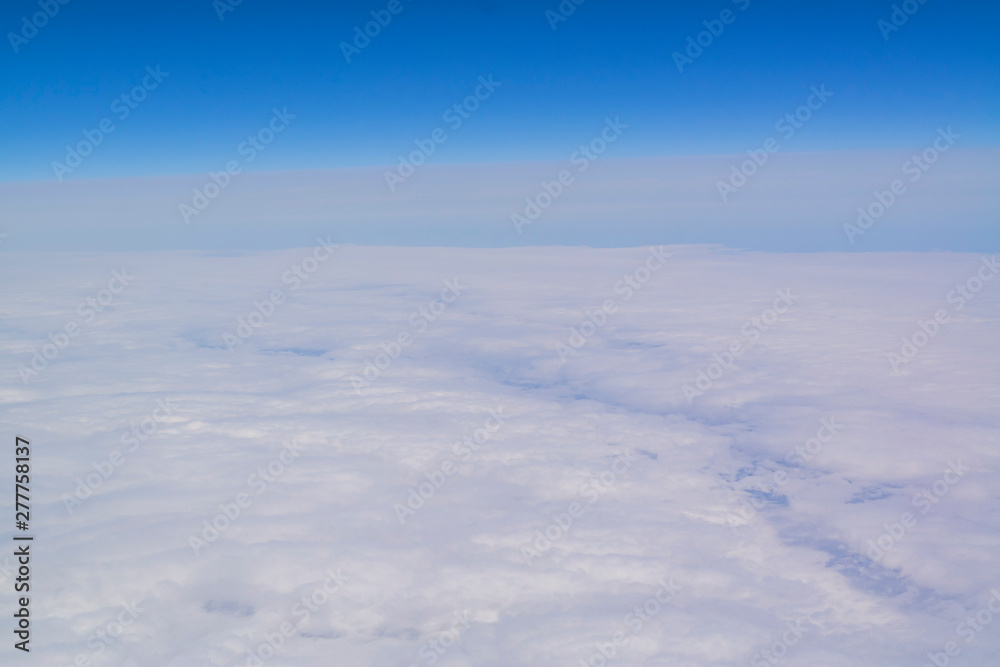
x=508, y=457
x=793, y=202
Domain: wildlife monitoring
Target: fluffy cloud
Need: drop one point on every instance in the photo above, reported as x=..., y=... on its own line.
x=756, y=502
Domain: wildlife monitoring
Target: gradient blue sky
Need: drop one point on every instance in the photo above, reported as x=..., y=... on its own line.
x=607, y=59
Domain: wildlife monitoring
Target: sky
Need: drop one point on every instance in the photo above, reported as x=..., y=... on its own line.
x=556, y=76
x=604, y=59
x=458, y=342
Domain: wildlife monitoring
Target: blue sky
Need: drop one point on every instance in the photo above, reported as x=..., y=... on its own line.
x=557, y=85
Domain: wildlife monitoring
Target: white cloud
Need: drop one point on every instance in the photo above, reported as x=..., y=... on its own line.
x=800, y=557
